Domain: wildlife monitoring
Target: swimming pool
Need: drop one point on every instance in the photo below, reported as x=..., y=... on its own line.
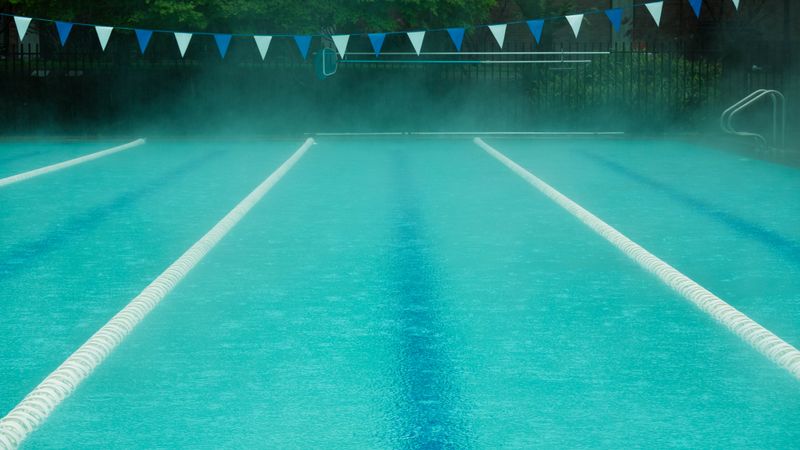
x=402, y=292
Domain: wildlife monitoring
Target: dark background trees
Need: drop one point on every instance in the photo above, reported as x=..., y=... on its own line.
x=290, y=16
x=757, y=20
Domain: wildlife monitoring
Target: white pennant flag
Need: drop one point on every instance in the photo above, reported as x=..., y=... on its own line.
x=499, y=33
x=416, y=38
x=183, y=42
x=340, y=41
x=22, y=26
x=103, y=34
x=736, y=4
x=655, y=9
x=262, y=42
x=575, y=22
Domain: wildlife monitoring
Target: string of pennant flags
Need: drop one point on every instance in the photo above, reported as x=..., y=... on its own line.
x=340, y=41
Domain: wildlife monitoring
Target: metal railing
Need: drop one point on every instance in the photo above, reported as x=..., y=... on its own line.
x=778, y=117
x=663, y=86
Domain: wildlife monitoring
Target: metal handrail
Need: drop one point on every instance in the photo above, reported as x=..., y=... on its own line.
x=724, y=117
x=778, y=120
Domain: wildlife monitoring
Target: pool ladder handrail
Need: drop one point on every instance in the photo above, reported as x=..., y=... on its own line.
x=778, y=120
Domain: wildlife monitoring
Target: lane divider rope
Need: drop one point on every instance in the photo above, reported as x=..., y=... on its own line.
x=69, y=163
x=37, y=406
x=761, y=339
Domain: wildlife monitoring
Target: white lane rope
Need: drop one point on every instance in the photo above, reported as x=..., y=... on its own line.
x=69, y=163
x=763, y=340
x=473, y=133
x=35, y=408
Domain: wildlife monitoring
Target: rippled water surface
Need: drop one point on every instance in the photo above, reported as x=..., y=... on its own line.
x=403, y=294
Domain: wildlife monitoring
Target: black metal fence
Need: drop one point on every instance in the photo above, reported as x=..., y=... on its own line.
x=646, y=87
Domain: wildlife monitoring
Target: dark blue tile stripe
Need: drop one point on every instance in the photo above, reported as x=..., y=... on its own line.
x=18, y=257
x=779, y=244
x=430, y=400
x=21, y=156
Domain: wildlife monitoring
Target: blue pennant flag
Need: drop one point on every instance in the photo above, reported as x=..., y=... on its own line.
x=696, y=5
x=536, y=27
x=377, y=42
x=457, y=35
x=223, y=41
x=615, y=16
x=64, y=29
x=303, y=43
x=143, y=36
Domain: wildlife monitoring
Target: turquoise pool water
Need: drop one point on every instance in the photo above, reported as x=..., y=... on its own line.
x=403, y=294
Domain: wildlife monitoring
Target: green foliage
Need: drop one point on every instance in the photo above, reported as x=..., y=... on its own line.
x=666, y=85
x=544, y=8
x=269, y=16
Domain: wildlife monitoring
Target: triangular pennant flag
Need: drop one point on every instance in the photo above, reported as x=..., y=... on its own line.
x=103, y=34
x=536, y=27
x=22, y=24
x=499, y=33
x=262, y=42
x=183, y=42
x=416, y=38
x=736, y=4
x=303, y=43
x=143, y=36
x=457, y=35
x=575, y=22
x=696, y=5
x=223, y=42
x=615, y=16
x=63, y=31
x=340, y=41
x=377, y=42
x=655, y=9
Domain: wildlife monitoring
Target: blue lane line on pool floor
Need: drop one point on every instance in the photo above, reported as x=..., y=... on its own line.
x=774, y=241
x=15, y=158
x=429, y=405
x=21, y=255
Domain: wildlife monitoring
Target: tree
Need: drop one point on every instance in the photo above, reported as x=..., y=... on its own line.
x=265, y=16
